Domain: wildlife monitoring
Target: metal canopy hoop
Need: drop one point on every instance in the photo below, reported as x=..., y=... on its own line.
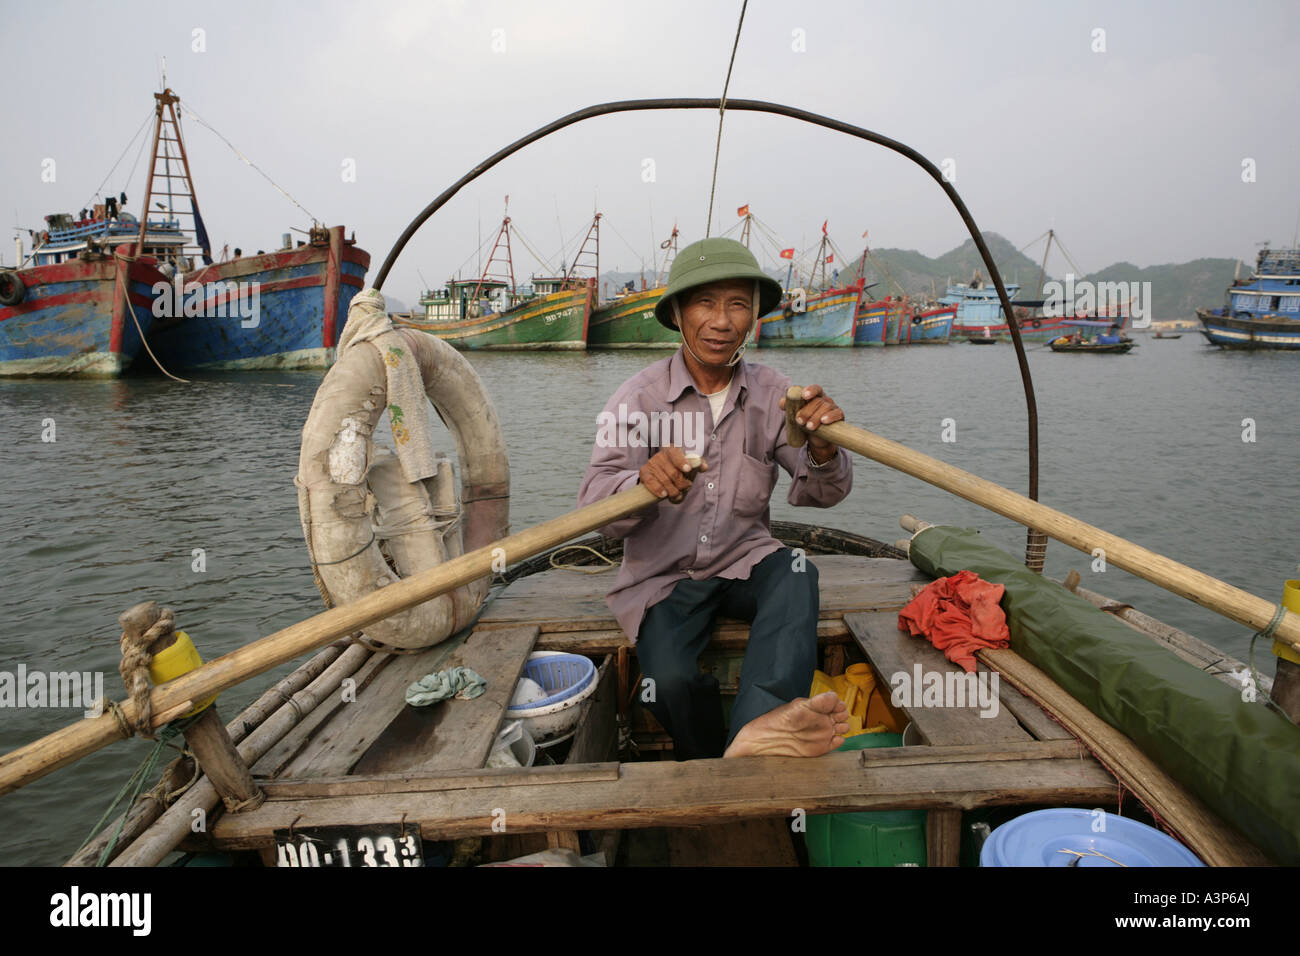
x=1037, y=541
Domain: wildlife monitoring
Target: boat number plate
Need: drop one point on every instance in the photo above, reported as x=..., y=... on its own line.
x=381, y=844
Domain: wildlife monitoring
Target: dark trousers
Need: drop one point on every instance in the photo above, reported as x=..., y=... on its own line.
x=781, y=604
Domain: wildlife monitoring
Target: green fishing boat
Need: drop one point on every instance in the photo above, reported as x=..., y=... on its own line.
x=491, y=312
x=629, y=322
x=551, y=317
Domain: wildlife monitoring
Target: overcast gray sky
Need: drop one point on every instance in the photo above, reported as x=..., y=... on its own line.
x=1134, y=153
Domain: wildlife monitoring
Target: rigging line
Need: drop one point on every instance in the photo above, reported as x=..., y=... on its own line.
x=202, y=122
x=722, y=109
x=477, y=252
x=120, y=158
x=626, y=243
x=1032, y=242
x=1066, y=252
x=562, y=252
x=544, y=263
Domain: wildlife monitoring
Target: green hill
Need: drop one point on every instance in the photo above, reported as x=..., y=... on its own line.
x=1177, y=289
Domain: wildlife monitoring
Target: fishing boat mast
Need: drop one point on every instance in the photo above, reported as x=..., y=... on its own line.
x=503, y=236
x=167, y=119
x=592, y=239
x=669, y=246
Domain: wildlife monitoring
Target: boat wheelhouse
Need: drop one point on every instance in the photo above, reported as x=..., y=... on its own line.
x=1262, y=312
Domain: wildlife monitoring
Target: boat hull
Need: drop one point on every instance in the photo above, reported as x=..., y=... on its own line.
x=1115, y=348
x=869, y=324
x=827, y=321
x=1229, y=332
x=1032, y=330
x=285, y=310
x=557, y=321
x=630, y=323
x=73, y=320
x=896, y=330
x=933, y=327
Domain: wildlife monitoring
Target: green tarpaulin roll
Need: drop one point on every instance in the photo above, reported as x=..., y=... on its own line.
x=1241, y=758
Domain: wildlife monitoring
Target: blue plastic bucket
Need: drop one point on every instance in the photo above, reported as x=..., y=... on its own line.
x=1067, y=837
x=560, y=676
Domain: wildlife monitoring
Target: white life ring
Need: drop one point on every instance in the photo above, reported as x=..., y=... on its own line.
x=358, y=511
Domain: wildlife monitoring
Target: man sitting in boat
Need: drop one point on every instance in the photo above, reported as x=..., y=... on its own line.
x=707, y=548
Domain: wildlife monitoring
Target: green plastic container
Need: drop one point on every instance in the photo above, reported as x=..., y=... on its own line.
x=878, y=838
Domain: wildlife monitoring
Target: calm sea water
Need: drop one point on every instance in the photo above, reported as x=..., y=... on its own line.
x=145, y=471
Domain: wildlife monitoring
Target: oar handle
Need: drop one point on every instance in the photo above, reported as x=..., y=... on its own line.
x=1219, y=596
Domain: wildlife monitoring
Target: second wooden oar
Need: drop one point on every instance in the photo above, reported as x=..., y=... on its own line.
x=1232, y=602
x=21, y=766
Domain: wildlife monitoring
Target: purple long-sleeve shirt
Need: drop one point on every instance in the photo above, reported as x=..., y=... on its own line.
x=722, y=527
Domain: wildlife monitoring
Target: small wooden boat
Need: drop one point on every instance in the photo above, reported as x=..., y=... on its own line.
x=1162, y=335
x=309, y=776
x=1065, y=344
x=981, y=340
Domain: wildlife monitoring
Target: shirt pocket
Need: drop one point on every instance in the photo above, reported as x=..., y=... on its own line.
x=754, y=483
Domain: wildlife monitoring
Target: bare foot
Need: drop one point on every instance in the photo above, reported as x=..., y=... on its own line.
x=801, y=728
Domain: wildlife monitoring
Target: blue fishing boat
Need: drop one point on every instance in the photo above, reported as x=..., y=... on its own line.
x=280, y=309
x=932, y=326
x=82, y=305
x=824, y=318
x=870, y=324
x=1262, y=312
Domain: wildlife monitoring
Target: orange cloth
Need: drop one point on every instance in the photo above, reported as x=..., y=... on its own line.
x=959, y=615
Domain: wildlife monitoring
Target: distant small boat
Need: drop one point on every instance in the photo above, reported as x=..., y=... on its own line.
x=1064, y=344
x=1161, y=335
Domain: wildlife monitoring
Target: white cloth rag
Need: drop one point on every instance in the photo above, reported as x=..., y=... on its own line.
x=408, y=405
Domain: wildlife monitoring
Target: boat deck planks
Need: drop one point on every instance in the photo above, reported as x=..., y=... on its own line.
x=563, y=600
x=698, y=792
x=892, y=651
x=342, y=740
x=456, y=734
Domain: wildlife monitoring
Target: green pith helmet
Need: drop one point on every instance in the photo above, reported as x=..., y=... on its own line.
x=715, y=260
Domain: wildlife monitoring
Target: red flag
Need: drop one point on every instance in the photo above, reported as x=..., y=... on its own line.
x=824, y=227
x=743, y=210
x=864, y=235
x=830, y=259
x=787, y=253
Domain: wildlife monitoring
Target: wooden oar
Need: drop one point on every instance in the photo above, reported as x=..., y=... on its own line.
x=1219, y=596
x=22, y=766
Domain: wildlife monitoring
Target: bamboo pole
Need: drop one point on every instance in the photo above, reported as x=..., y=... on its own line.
x=1219, y=596
x=20, y=767
x=177, y=821
x=139, y=817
